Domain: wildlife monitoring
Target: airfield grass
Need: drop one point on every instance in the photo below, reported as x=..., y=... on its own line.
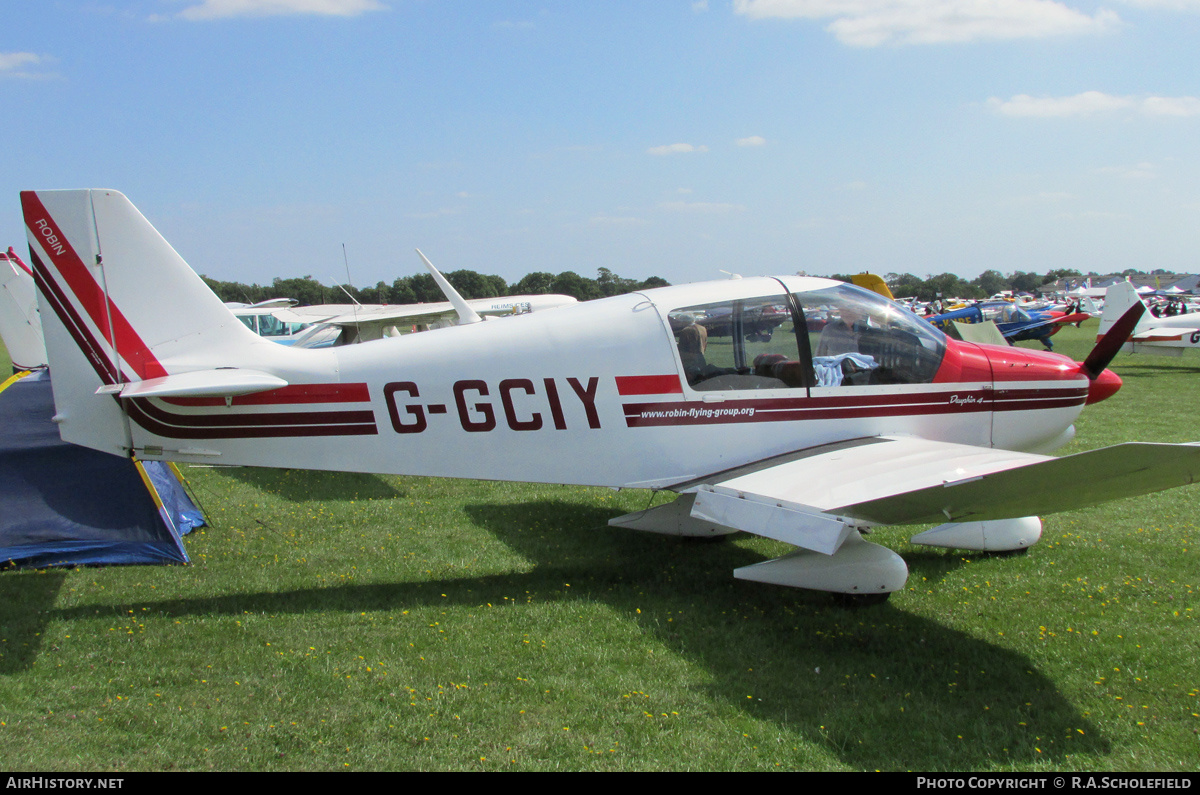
x=363, y=622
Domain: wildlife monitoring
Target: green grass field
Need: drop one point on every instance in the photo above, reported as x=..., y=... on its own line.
x=362, y=622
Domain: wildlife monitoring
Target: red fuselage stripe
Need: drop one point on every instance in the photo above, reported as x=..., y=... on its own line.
x=649, y=385
x=289, y=395
x=91, y=297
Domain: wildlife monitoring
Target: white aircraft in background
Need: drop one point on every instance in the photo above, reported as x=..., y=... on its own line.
x=347, y=324
x=1164, y=336
x=323, y=325
x=20, y=324
x=755, y=434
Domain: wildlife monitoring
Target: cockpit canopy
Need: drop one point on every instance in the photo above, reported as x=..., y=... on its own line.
x=835, y=336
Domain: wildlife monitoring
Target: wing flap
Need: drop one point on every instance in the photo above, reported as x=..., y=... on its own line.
x=784, y=521
x=832, y=476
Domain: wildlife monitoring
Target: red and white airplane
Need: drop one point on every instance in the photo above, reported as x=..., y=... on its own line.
x=1164, y=336
x=852, y=415
x=20, y=326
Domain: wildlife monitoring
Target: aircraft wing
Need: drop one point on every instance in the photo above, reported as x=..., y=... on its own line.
x=814, y=498
x=1017, y=328
x=1166, y=334
x=371, y=321
x=348, y=314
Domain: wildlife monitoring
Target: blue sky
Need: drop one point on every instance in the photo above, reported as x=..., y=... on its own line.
x=669, y=138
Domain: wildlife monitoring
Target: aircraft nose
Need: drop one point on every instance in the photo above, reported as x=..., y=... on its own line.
x=1104, y=386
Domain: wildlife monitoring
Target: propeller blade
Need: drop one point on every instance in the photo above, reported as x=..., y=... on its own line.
x=1110, y=344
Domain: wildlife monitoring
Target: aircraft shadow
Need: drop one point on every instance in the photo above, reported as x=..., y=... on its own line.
x=1129, y=370
x=26, y=603
x=295, y=485
x=836, y=676
x=826, y=662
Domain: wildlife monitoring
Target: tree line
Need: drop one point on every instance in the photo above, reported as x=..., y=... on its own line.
x=988, y=283
x=421, y=288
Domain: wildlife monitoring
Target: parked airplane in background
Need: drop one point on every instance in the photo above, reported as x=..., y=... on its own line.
x=1014, y=322
x=324, y=325
x=1165, y=336
x=20, y=324
x=899, y=426
x=346, y=324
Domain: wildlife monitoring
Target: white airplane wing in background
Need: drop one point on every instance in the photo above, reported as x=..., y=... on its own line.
x=375, y=321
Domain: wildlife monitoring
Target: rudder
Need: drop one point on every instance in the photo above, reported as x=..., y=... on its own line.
x=119, y=305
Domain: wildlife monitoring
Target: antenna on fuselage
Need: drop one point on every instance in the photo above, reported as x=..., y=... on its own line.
x=357, y=305
x=465, y=313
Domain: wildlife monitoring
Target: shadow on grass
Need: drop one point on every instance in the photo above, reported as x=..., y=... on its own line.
x=878, y=687
x=298, y=485
x=26, y=605
x=1145, y=369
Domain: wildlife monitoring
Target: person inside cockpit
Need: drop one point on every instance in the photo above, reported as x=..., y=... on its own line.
x=841, y=335
x=693, y=341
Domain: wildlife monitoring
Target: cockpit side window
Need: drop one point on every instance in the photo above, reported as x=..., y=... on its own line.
x=859, y=338
x=747, y=343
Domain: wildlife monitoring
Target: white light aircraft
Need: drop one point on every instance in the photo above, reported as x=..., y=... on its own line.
x=20, y=325
x=782, y=435
x=322, y=325
x=347, y=324
x=1164, y=336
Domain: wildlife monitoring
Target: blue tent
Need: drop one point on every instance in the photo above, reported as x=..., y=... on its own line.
x=65, y=505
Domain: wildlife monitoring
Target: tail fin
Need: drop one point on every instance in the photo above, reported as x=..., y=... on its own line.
x=119, y=306
x=1117, y=301
x=874, y=283
x=20, y=325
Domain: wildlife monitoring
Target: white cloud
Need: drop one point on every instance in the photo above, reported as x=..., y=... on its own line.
x=1140, y=171
x=220, y=9
x=700, y=207
x=675, y=149
x=12, y=64
x=603, y=219
x=15, y=60
x=870, y=23
x=1171, y=106
x=440, y=212
x=1092, y=103
x=1173, y=5
x=753, y=140
x=1087, y=103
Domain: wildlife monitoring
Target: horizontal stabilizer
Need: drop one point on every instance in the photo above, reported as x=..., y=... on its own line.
x=228, y=382
x=1165, y=334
